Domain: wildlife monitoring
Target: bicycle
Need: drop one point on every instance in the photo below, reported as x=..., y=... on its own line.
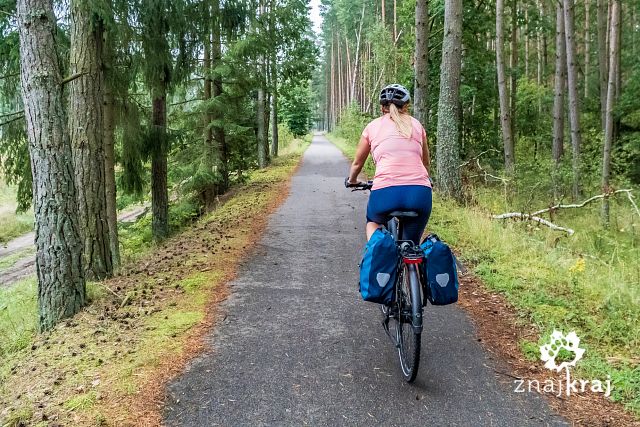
x=405, y=311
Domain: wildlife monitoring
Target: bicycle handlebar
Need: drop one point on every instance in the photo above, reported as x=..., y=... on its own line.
x=360, y=186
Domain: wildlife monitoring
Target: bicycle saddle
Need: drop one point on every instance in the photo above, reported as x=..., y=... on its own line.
x=403, y=214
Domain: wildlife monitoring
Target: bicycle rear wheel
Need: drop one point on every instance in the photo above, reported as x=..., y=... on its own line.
x=409, y=340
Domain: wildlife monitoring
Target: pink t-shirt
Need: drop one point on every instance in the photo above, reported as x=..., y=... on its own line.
x=398, y=159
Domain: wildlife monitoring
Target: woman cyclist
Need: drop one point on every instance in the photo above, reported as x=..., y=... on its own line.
x=398, y=145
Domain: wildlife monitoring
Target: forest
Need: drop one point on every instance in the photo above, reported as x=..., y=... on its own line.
x=171, y=107
x=143, y=98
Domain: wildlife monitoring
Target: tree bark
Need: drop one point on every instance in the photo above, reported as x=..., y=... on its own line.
x=110, y=176
x=421, y=84
x=274, y=121
x=61, y=285
x=262, y=131
x=587, y=45
x=526, y=41
x=263, y=144
x=603, y=66
x=159, y=190
x=572, y=86
x=219, y=135
x=448, y=130
x=614, y=53
x=395, y=20
x=86, y=127
x=210, y=151
x=505, y=116
x=357, y=59
x=559, y=88
x=513, y=61
x=332, y=98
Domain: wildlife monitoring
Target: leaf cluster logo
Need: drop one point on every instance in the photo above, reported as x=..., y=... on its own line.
x=550, y=351
x=561, y=353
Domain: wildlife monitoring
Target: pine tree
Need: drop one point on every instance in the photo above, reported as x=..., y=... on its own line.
x=448, y=134
x=86, y=127
x=61, y=285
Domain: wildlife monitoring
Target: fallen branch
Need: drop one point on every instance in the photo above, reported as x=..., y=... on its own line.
x=630, y=197
x=589, y=200
x=529, y=217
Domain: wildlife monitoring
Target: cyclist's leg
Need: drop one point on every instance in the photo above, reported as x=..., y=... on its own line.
x=377, y=209
x=371, y=228
x=416, y=198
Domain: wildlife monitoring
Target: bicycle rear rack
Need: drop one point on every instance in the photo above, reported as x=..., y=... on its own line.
x=410, y=253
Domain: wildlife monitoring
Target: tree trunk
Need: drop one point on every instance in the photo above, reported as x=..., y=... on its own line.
x=572, y=86
x=421, y=89
x=559, y=89
x=357, y=59
x=614, y=52
x=61, y=285
x=109, y=147
x=210, y=151
x=383, y=8
x=395, y=20
x=110, y=176
x=262, y=135
x=505, y=117
x=86, y=132
x=274, y=106
x=587, y=45
x=545, y=47
x=263, y=143
x=332, y=98
x=526, y=41
x=603, y=67
x=539, y=71
x=219, y=136
x=514, y=70
x=159, y=190
x=448, y=131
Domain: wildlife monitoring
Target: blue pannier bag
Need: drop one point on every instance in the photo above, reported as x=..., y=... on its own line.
x=379, y=267
x=439, y=272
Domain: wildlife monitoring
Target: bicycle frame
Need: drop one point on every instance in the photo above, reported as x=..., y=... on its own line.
x=413, y=258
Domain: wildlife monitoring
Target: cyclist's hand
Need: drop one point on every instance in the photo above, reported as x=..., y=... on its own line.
x=349, y=184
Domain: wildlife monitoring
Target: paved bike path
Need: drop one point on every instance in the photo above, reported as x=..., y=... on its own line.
x=297, y=346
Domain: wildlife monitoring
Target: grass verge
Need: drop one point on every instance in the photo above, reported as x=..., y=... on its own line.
x=108, y=365
x=587, y=283
x=12, y=224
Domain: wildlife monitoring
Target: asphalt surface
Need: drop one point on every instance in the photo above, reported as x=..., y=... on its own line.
x=297, y=346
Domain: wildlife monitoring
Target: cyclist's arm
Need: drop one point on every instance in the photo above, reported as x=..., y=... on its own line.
x=362, y=151
x=426, y=157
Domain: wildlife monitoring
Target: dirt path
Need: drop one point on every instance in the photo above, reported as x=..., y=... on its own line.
x=295, y=344
x=26, y=266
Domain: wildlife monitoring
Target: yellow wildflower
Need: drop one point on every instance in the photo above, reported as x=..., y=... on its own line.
x=578, y=267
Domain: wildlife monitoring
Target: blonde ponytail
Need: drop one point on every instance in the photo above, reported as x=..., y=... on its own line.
x=401, y=119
